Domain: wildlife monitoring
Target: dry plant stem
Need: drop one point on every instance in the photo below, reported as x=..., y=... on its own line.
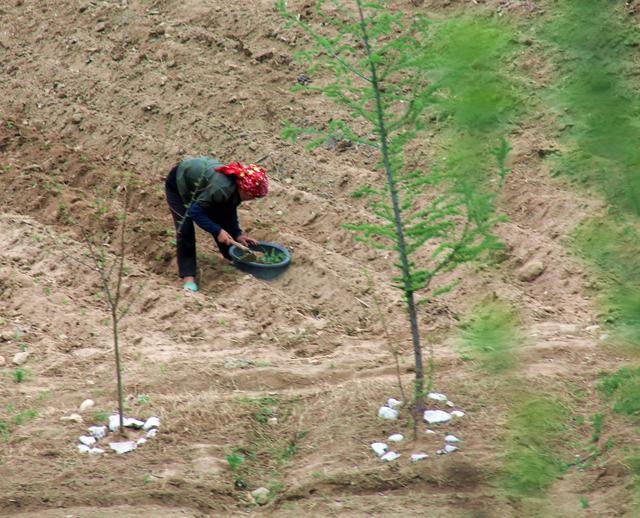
x=392, y=349
x=408, y=290
x=113, y=297
x=114, y=310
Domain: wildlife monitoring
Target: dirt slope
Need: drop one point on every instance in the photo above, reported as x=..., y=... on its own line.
x=93, y=88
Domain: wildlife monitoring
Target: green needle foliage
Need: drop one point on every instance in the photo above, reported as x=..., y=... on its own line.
x=467, y=62
x=380, y=64
x=598, y=50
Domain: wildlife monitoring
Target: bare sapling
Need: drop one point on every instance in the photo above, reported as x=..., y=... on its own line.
x=109, y=265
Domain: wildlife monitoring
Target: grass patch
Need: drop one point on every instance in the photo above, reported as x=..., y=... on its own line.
x=491, y=334
x=611, y=246
x=531, y=463
x=19, y=375
x=13, y=419
x=632, y=463
x=270, y=443
x=624, y=387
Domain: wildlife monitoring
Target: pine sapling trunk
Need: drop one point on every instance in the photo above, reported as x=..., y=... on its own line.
x=405, y=267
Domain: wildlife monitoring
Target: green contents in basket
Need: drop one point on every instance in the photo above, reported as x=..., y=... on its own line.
x=272, y=256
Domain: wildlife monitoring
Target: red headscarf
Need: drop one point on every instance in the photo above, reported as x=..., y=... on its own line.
x=251, y=178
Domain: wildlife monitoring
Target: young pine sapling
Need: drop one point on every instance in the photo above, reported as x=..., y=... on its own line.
x=434, y=219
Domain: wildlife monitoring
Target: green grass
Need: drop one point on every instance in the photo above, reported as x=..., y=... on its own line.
x=623, y=387
x=19, y=375
x=266, y=448
x=491, y=335
x=24, y=417
x=597, y=421
x=101, y=417
x=611, y=246
x=531, y=463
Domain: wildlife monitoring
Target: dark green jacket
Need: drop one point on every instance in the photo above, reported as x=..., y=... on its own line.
x=199, y=182
x=212, y=198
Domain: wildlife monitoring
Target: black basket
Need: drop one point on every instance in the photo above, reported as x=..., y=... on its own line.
x=259, y=270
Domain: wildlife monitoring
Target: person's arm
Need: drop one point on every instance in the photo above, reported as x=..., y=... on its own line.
x=234, y=225
x=198, y=215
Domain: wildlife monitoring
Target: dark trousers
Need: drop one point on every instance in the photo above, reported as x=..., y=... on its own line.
x=185, y=231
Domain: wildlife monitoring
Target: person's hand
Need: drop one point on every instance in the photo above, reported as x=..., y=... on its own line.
x=246, y=241
x=225, y=238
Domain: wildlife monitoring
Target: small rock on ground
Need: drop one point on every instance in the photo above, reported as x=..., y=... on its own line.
x=387, y=413
x=20, y=358
x=390, y=456
x=379, y=448
x=260, y=495
x=531, y=271
x=436, y=416
x=86, y=405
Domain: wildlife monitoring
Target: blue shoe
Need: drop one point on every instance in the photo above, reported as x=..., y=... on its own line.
x=190, y=286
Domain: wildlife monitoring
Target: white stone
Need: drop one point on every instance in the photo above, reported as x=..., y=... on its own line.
x=451, y=438
x=122, y=447
x=429, y=431
x=152, y=422
x=447, y=449
x=436, y=396
x=389, y=456
x=450, y=404
x=98, y=431
x=415, y=457
x=152, y=433
x=86, y=405
x=114, y=422
x=87, y=440
x=387, y=413
x=83, y=449
x=379, y=448
x=20, y=358
x=260, y=495
x=436, y=416
x=394, y=403
x=457, y=413
x=76, y=418
x=96, y=450
x=141, y=441
x=396, y=437
x=130, y=422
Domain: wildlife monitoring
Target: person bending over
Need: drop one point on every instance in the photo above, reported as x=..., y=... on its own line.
x=208, y=192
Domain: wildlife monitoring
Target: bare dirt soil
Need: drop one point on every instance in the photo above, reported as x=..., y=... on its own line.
x=93, y=88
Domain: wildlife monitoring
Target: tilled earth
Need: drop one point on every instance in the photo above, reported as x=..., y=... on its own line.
x=289, y=373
